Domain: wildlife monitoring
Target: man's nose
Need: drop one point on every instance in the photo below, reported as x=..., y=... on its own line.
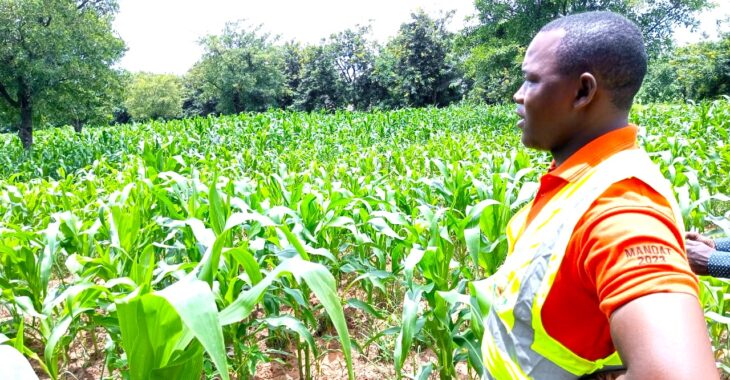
x=519, y=96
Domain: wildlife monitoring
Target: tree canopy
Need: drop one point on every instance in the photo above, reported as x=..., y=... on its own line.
x=154, y=96
x=56, y=58
x=241, y=70
x=57, y=63
x=423, y=68
x=495, y=45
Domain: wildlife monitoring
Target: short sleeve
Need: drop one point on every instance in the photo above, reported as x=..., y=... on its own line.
x=631, y=248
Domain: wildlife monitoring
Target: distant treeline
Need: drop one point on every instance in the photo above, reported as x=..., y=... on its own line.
x=57, y=64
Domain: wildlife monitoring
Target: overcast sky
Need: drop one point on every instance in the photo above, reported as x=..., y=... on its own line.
x=162, y=35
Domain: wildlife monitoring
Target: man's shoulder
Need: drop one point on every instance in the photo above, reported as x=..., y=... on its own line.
x=629, y=195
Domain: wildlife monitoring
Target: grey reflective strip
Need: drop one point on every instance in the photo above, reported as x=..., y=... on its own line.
x=533, y=364
x=517, y=344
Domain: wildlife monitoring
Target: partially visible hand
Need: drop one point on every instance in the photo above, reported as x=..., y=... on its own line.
x=698, y=254
x=694, y=236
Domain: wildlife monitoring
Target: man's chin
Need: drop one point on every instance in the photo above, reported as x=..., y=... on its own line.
x=529, y=142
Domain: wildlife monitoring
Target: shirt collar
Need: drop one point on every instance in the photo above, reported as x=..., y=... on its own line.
x=594, y=152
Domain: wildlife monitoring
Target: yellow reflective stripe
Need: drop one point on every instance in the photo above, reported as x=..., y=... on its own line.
x=497, y=364
x=556, y=352
x=524, y=242
x=516, y=226
x=543, y=343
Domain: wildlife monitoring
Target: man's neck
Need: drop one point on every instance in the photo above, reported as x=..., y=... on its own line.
x=589, y=134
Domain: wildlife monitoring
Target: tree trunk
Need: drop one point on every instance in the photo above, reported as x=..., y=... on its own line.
x=25, y=132
x=78, y=125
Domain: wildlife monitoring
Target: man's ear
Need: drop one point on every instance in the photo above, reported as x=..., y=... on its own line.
x=586, y=90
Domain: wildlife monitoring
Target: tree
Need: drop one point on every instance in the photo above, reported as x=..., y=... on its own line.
x=494, y=47
x=196, y=102
x=320, y=87
x=55, y=55
x=660, y=83
x=519, y=20
x=354, y=58
x=494, y=72
x=417, y=66
x=76, y=104
x=154, y=96
x=292, y=57
x=697, y=72
x=703, y=69
x=241, y=70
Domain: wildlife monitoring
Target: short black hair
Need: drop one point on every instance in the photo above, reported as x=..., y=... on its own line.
x=607, y=45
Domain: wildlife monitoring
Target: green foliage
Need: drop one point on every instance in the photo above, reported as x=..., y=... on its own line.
x=518, y=21
x=660, y=83
x=157, y=330
x=154, y=96
x=292, y=56
x=354, y=58
x=207, y=246
x=703, y=70
x=56, y=61
x=693, y=72
x=417, y=67
x=320, y=87
x=495, y=72
x=494, y=47
x=241, y=70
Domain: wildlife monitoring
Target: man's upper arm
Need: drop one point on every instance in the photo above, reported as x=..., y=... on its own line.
x=663, y=336
x=630, y=247
x=634, y=257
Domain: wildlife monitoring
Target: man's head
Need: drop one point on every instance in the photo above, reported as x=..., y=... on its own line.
x=607, y=45
x=581, y=74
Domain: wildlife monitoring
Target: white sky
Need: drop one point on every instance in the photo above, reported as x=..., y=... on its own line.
x=162, y=35
x=708, y=24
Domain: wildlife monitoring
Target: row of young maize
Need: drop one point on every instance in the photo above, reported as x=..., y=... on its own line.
x=184, y=244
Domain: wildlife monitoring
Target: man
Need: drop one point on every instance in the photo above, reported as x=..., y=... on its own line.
x=708, y=257
x=596, y=283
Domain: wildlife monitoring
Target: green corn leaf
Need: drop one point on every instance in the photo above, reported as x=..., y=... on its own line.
x=413, y=258
x=185, y=364
x=194, y=302
x=57, y=333
x=239, y=218
x=424, y=373
x=294, y=241
x=319, y=280
x=475, y=212
x=473, y=239
x=473, y=351
x=216, y=208
x=366, y=307
x=45, y=262
x=382, y=227
x=157, y=329
x=296, y=326
x=408, y=328
x=248, y=262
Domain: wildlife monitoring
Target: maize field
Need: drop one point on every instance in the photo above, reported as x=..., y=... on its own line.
x=218, y=247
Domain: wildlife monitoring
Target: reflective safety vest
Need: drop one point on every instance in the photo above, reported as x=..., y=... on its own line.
x=515, y=344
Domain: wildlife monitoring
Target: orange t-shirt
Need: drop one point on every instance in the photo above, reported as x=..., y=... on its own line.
x=625, y=246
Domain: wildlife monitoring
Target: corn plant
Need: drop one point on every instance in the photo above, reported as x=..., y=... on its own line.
x=179, y=246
